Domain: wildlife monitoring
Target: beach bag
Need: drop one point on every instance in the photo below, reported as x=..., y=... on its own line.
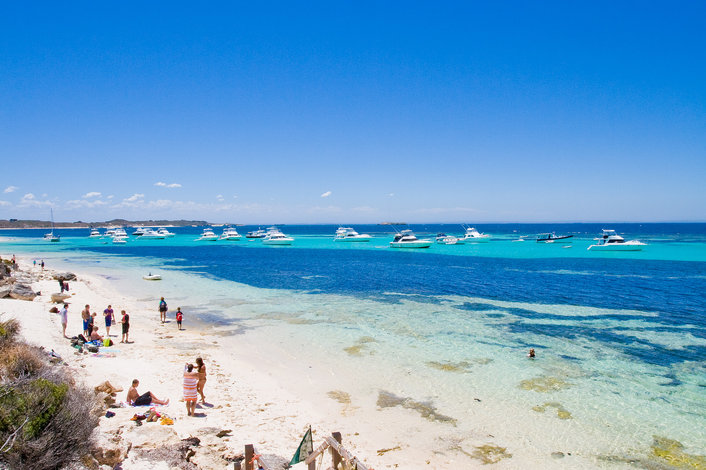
x=92, y=348
x=107, y=342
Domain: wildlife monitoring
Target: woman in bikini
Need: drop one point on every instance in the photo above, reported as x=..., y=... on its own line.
x=201, y=369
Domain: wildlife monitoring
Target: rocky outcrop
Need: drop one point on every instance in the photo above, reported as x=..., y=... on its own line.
x=5, y=290
x=58, y=298
x=109, y=450
x=22, y=292
x=66, y=276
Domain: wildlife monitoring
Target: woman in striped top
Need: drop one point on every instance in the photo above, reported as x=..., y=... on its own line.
x=191, y=379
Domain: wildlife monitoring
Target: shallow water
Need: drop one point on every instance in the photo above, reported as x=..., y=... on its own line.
x=442, y=333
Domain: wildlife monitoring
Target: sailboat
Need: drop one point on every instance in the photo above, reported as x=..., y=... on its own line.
x=50, y=236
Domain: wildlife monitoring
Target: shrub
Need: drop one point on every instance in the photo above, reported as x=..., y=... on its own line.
x=9, y=329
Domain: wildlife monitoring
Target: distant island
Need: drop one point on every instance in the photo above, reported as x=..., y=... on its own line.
x=392, y=223
x=18, y=223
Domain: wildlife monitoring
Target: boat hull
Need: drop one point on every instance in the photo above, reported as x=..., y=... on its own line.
x=618, y=247
x=417, y=244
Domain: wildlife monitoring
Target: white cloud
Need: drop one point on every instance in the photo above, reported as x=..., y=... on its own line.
x=29, y=200
x=165, y=185
x=110, y=197
x=134, y=197
x=220, y=197
x=326, y=194
x=91, y=194
x=4, y=204
x=10, y=189
x=84, y=203
x=391, y=195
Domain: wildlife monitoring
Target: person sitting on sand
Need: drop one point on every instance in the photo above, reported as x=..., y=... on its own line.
x=191, y=379
x=201, y=368
x=95, y=336
x=147, y=398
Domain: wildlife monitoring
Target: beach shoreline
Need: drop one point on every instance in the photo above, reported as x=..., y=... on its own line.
x=268, y=394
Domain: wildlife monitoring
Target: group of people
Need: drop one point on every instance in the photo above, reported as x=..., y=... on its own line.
x=163, y=313
x=194, y=383
x=90, y=329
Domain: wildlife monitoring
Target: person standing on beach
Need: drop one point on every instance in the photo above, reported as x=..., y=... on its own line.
x=42, y=265
x=125, y=320
x=179, y=317
x=162, y=310
x=201, y=368
x=64, y=314
x=191, y=380
x=61, y=285
x=109, y=319
x=86, y=317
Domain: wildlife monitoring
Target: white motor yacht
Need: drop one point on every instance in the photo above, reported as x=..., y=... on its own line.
x=151, y=234
x=230, y=233
x=165, y=233
x=139, y=231
x=207, y=236
x=473, y=236
x=611, y=241
x=347, y=234
x=444, y=239
x=259, y=233
x=275, y=237
x=407, y=239
x=94, y=233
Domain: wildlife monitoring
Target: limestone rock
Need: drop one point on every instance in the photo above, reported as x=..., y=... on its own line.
x=66, y=276
x=59, y=298
x=22, y=292
x=109, y=449
x=5, y=291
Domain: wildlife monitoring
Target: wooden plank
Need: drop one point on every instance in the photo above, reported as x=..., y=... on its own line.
x=260, y=462
x=341, y=451
x=249, y=452
x=335, y=456
x=312, y=457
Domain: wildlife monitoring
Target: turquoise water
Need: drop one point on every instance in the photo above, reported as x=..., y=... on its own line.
x=620, y=337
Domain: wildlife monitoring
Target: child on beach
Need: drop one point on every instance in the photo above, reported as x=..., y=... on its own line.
x=179, y=317
x=125, y=320
x=162, y=310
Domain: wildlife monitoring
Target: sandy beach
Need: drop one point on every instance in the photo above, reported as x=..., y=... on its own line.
x=240, y=396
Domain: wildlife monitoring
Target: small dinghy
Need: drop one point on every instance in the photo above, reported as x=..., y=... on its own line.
x=152, y=277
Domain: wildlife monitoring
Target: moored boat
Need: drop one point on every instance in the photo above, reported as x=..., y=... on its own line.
x=611, y=241
x=230, y=233
x=473, y=236
x=407, y=239
x=347, y=234
x=275, y=237
x=207, y=236
x=551, y=237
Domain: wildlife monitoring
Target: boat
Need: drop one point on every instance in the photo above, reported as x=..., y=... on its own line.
x=230, y=233
x=139, y=231
x=207, y=236
x=347, y=234
x=611, y=241
x=94, y=233
x=119, y=240
x=50, y=237
x=165, y=233
x=259, y=233
x=551, y=237
x=275, y=237
x=407, y=239
x=444, y=239
x=473, y=236
x=151, y=234
x=152, y=277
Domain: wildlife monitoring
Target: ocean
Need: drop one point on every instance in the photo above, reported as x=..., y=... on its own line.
x=442, y=333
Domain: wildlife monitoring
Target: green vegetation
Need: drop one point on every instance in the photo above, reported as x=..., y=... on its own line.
x=45, y=420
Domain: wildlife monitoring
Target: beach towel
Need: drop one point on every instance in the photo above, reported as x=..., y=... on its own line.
x=190, y=388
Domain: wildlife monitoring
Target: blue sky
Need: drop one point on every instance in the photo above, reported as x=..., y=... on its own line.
x=345, y=112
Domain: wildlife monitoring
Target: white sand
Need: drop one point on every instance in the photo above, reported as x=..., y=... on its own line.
x=245, y=393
